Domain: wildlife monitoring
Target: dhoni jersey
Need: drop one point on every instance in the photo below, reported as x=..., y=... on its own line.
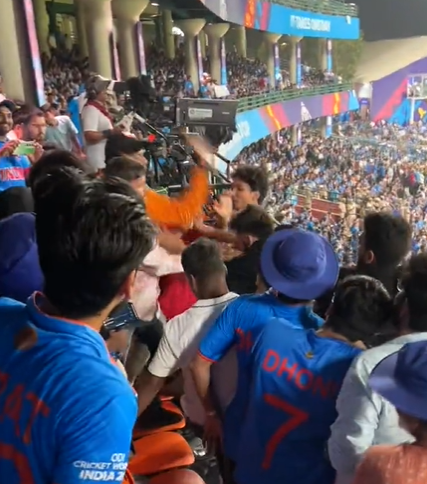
x=295, y=379
x=236, y=325
x=13, y=170
x=67, y=412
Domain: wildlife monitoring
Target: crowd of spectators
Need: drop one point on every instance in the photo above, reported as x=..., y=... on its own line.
x=302, y=351
x=65, y=73
x=362, y=167
x=278, y=333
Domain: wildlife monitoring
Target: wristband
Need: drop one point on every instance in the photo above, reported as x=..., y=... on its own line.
x=107, y=133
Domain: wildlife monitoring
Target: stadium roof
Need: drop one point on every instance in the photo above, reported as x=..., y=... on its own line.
x=381, y=58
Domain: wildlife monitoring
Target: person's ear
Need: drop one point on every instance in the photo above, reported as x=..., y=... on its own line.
x=126, y=292
x=193, y=283
x=329, y=311
x=369, y=257
x=256, y=195
x=360, y=345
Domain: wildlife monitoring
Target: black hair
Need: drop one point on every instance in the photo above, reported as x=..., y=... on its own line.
x=253, y=220
x=289, y=301
x=91, y=234
x=124, y=168
x=361, y=309
x=202, y=259
x=51, y=162
x=26, y=114
x=388, y=236
x=414, y=285
x=254, y=176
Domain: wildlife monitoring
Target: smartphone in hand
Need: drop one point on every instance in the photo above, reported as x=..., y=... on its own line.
x=25, y=148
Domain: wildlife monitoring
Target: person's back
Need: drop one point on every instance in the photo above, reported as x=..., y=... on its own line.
x=67, y=411
x=296, y=378
x=365, y=418
x=400, y=378
x=46, y=404
x=183, y=334
x=245, y=317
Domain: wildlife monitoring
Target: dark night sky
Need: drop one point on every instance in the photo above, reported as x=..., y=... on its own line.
x=392, y=19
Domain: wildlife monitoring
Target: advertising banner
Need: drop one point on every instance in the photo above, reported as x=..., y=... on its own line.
x=259, y=123
x=279, y=19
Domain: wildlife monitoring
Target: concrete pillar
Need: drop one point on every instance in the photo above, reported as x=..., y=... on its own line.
x=13, y=80
x=215, y=32
x=68, y=30
x=127, y=13
x=270, y=39
x=81, y=28
x=294, y=135
x=323, y=55
x=240, y=40
x=167, y=34
x=202, y=40
x=99, y=27
x=191, y=28
x=293, y=61
x=41, y=18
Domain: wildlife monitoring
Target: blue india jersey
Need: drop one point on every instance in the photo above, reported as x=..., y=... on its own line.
x=295, y=379
x=67, y=412
x=236, y=325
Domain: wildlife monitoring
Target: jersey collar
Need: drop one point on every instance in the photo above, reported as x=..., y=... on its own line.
x=61, y=325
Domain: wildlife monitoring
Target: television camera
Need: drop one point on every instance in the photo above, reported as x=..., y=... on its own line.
x=163, y=120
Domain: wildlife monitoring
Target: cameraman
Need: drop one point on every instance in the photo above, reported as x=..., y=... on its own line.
x=96, y=122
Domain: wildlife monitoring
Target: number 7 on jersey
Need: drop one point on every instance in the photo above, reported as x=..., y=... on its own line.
x=297, y=417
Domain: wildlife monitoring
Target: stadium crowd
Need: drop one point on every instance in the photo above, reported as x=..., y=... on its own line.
x=298, y=356
x=65, y=74
x=296, y=365
x=363, y=167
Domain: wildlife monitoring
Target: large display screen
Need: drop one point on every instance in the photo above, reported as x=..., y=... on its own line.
x=279, y=19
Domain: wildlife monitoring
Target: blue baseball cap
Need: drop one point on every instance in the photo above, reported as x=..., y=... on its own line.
x=299, y=264
x=401, y=378
x=20, y=273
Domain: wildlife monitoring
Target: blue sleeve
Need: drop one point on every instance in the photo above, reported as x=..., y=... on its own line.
x=95, y=446
x=24, y=162
x=222, y=335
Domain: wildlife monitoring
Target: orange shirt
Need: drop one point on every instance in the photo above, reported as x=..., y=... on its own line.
x=179, y=212
x=401, y=464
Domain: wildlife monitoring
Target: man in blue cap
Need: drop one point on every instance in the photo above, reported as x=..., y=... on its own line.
x=295, y=377
x=401, y=379
x=299, y=266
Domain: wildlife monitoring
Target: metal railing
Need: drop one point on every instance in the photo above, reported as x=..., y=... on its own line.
x=261, y=100
x=328, y=7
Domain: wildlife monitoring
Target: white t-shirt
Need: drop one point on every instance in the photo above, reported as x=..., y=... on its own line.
x=63, y=134
x=180, y=344
x=94, y=120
